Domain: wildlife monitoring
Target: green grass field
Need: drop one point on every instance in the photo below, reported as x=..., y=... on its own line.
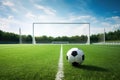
x=40, y=62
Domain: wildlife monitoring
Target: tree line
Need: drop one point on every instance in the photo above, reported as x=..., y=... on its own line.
x=7, y=37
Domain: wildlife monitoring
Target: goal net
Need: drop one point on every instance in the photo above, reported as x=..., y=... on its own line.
x=112, y=34
x=106, y=35
x=61, y=33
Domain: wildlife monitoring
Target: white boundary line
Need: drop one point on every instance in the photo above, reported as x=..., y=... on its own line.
x=60, y=73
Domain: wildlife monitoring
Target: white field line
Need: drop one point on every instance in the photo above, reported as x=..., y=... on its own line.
x=60, y=73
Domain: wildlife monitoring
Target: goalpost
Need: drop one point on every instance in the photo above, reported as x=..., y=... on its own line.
x=20, y=36
x=33, y=36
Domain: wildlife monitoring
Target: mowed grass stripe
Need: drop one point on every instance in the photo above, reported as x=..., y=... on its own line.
x=101, y=63
x=32, y=62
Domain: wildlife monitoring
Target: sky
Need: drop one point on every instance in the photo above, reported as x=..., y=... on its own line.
x=15, y=14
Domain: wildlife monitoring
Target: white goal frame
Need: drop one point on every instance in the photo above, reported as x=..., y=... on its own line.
x=33, y=37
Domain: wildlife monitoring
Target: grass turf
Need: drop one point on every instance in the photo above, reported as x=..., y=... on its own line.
x=28, y=62
x=40, y=62
x=101, y=63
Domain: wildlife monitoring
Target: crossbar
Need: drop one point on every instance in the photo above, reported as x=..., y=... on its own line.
x=58, y=23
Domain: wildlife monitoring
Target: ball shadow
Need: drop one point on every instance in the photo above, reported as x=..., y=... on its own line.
x=91, y=68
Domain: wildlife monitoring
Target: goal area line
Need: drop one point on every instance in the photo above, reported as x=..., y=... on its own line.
x=34, y=23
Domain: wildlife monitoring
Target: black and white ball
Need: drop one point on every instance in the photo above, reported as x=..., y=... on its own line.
x=75, y=56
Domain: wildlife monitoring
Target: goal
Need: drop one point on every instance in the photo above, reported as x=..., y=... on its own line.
x=61, y=23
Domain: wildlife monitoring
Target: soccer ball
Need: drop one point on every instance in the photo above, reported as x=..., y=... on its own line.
x=75, y=56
